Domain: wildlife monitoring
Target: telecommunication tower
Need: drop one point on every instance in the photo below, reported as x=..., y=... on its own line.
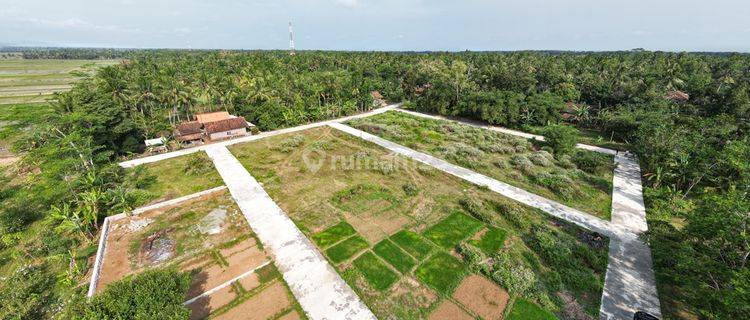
x=291, y=39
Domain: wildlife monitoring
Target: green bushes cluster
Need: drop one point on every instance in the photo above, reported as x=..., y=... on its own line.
x=561, y=138
x=152, y=294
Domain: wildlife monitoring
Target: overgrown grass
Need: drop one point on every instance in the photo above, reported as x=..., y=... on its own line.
x=452, y=230
x=311, y=200
x=375, y=272
x=413, y=243
x=442, y=272
x=173, y=178
x=526, y=310
x=491, y=241
x=391, y=253
x=334, y=234
x=507, y=158
x=346, y=249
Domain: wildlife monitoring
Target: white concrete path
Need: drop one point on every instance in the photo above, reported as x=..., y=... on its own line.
x=319, y=289
x=173, y=154
x=553, y=208
x=629, y=284
x=501, y=129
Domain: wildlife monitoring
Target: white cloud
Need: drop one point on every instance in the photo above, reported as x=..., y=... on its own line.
x=348, y=3
x=76, y=23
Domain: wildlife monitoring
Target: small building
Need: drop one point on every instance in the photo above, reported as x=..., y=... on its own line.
x=677, y=96
x=226, y=128
x=189, y=131
x=377, y=99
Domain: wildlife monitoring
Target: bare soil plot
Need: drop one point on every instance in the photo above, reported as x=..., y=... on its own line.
x=482, y=296
x=583, y=181
x=340, y=190
x=449, y=311
x=209, y=238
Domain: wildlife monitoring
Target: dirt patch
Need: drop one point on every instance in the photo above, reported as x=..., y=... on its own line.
x=202, y=307
x=157, y=248
x=265, y=304
x=216, y=274
x=291, y=316
x=482, y=296
x=571, y=308
x=413, y=294
x=250, y=282
x=213, y=221
x=449, y=311
x=377, y=227
x=238, y=247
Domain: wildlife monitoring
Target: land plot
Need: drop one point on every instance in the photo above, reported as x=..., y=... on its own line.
x=583, y=181
x=209, y=238
x=323, y=177
x=173, y=178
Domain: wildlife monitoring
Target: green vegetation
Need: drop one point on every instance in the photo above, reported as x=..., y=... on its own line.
x=525, y=310
x=693, y=145
x=177, y=177
x=338, y=232
x=413, y=243
x=375, y=272
x=491, y=241
x=452, y=230
x=442, y=272
x=507, y=158
x=152, y=294
x=346, y=249
x=561, y=138
x=447, y=213
x=392, y=254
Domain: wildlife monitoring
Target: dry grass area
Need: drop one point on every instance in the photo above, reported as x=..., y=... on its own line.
x=582, y=180
x=407, y=237
x=209, y=238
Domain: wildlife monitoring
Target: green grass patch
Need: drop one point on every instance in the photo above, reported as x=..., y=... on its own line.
x=365, y=198
x=526, y=310
x=346, y=249
x=442, y=272
x=413, y=243
x=375, y=272
x=334, y=234
x=452, y=230
x=491, y=241
x=394, y=255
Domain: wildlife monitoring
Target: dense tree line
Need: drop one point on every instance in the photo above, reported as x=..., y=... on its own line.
x=686, y=115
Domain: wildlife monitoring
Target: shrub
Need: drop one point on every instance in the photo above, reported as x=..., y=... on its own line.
x=591, y=162
x=198, y=164
x=410, y=189
x=541, y=158
x=289, y=144
x=476, y=208
x=515, y=277
x=561, y=138
x=522, y=163
x=560, y=184
x=153, y=294
x=28, y=293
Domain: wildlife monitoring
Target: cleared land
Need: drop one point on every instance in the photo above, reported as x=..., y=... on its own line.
x=420, y=227
x=181, y=176
x=582, y=181
x=209, y=238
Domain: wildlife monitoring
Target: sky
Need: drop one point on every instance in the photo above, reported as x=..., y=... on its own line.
x=390, y=25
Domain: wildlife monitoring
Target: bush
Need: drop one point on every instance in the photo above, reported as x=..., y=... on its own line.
x=410, y=189
x=559, y=184
x=541, y=158
x=198, y=164
x=591, y=162
x=522, y=163
x=561, y=138
x=289, y=144
x=515, y=277
x=153, y=294
x=28, y=293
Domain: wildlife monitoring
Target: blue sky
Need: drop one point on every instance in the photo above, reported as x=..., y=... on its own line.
x=686, y=25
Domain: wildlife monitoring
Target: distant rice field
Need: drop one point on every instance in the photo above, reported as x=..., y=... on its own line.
x=31, y=81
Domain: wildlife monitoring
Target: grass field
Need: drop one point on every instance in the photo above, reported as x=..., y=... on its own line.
x=510, y=159
x=173, y=178
x=30, y=81
x=424, y=230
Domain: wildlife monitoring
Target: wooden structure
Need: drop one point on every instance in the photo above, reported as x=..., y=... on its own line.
x=212, y=126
